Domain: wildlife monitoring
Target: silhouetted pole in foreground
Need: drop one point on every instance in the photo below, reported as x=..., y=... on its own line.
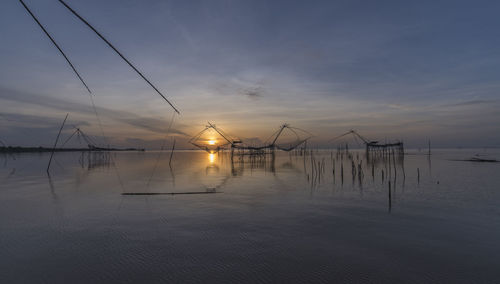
x=55, y=143
x=171, y=153
x=56, y=45
x=119, y=54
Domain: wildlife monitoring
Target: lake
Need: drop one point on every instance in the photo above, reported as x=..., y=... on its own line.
x=318, y=218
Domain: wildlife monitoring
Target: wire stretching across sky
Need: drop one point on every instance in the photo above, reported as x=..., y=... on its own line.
x=119, y=53
x=55, y=44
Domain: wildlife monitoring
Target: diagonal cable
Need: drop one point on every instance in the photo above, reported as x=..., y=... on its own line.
x=119, y=53
x=55, y=44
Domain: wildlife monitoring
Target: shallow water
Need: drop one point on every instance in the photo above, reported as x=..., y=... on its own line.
x=270, y=220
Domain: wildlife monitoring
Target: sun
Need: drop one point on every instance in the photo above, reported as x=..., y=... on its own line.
x=211, y=142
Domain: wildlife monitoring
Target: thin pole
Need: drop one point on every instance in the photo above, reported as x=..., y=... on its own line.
x=76, y=131
x=279, y=133
x=55, y=143
x=119, y=53
x=220, y=133
x=390, y=198
x=171, y=153
x=56, y=45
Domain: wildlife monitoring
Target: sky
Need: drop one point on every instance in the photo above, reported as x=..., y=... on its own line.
x=407, y=70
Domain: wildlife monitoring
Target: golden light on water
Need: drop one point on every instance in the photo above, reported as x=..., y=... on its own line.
x=211, y=158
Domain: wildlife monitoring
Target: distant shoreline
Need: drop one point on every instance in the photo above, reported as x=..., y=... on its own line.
x=19, y=149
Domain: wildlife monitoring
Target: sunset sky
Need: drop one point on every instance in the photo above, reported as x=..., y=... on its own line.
x=410, y=70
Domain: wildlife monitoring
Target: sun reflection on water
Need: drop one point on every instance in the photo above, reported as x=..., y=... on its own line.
x=211, y=158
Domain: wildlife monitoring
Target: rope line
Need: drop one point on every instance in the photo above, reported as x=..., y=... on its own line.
x=56, y=45
x=118, y=52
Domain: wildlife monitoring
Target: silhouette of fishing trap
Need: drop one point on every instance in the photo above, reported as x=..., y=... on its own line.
x=213, y=139
x=374, y=148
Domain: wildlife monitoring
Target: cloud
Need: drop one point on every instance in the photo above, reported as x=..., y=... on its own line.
x=254, y=93
x=152, y=124
x=24, y=120
x=470, y=103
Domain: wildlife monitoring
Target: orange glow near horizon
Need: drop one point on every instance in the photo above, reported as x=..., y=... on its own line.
x=211, y=142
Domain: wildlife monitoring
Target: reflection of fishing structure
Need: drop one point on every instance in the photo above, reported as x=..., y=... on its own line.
x=267, y=163
x=224, y=168
x=92, y=160
x=212, y=144
x=213, y=179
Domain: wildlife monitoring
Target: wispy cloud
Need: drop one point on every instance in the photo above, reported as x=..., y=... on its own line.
x=254, y=93
x=470, y=103
x=47, y=118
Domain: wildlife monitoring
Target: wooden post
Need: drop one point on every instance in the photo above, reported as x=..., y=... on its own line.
x=171, y=153
x=342, y=172
x=55, y=143
x=390, y=197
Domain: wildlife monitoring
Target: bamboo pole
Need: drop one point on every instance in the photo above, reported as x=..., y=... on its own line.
x=171, y=153
x=55, y=143
x=390, y=197
x=119, y=53
x=56, y=45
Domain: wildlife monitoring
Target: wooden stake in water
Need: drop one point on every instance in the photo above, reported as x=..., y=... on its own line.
x=342, y=172
x=171, y=153
x=333, y=170
x=394, y=163
x=390, y=198
x=373, y=171
x=55, y=143
x=319, y=171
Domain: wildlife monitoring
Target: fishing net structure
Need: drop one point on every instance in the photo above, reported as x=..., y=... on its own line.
x=213, y=139
x=350, y=138
x=370, y=145
x=287, y=138
x=80, y=135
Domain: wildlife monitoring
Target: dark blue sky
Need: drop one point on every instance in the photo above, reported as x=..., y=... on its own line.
x=409, y=70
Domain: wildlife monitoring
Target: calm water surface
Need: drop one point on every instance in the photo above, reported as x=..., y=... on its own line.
x=284, y=219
